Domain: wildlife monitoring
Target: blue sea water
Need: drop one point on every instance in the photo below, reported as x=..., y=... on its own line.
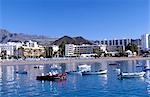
x=107, y=85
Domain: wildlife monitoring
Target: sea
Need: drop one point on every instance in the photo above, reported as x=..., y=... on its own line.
x=13, y=84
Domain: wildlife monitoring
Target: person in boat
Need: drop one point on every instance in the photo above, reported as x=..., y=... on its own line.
x=50, y=74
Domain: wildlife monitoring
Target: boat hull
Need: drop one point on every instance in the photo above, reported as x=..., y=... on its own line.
x=52, y=77
x=94, y=73
x=132, y=75
x=21, y=72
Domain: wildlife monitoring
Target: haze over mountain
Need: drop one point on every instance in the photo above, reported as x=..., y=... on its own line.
x=6, y=36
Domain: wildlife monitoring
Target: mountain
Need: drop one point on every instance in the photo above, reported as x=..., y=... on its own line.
x=6, y=36
x=71, y=40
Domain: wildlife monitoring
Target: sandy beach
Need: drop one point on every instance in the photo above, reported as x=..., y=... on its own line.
x=68, y=60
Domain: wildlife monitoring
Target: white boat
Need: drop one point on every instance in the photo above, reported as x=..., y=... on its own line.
x=131, y=75
x=55, y=67
x=84, y=67
x=80, y=69
x=94, y=72
x=39, y=66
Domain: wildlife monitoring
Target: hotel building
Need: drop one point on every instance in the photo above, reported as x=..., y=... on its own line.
x=145, y=42
x=31, y=49
x=115, y=42
x=77, y=50
x=7, y=50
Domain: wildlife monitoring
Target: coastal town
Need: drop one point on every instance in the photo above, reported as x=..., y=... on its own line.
x=65, y=48
x=74, y=48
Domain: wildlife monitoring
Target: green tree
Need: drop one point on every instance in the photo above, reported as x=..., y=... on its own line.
x=98, y=51
x=121, y=52
x=62, y=49
x=3, y=54
x=48, y=52
x=132, y=47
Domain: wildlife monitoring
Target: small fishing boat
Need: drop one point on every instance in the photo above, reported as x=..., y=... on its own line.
x=94, y=72
x=140, y=65
x=52, y=77
x=146, y=69
x=84, y=67
x=39, y=66
x=131, y=75
x=55, y=67
x=113, y=64
x=21, y=72
x=80, y=69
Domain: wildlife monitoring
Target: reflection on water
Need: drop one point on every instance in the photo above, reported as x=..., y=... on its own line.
x=147, y=80
x=14, y=85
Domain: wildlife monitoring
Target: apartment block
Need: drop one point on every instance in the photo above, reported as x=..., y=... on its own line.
x=77, y=50
x=145, y=42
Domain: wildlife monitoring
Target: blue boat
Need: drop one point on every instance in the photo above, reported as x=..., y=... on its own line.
x=21, y=72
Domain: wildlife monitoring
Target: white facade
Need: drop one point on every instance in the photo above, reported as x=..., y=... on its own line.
x=16, y=44
x=55, y=48
x=10, y=49
x=31, y=43
x=69, y=49
x=145, y=42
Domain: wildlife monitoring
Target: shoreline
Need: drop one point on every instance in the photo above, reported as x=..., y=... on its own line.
x=68, y=60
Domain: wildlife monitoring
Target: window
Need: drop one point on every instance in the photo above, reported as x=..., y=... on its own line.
x=116, y=42
x=120, y=42
x=110, y=42
x=106, y=43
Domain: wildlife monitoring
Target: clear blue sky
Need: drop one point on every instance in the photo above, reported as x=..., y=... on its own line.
x=92, y=19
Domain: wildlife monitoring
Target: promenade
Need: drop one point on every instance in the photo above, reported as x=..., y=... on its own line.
x=67, y=60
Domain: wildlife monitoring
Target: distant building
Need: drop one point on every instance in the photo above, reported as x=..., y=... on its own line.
x=16, y=44
x=115, y=42
x=145, y=42
x=31, y=49
x=7, y=50
x=69, y=50
x=78, y=50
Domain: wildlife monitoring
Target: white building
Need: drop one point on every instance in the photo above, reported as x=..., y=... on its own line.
x=8, y=49
x=31, y=49
x=31, y=43
x=55, y=48
x=16, y=44
x=69, y=50
x=145, y=42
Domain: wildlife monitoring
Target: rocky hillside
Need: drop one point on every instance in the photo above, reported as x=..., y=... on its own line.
x=71, y=40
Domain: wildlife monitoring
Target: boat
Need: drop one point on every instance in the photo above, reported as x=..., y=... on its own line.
x=80, y=69
x=113, y=64
x=146, y=69
x=52, y=77
x=139, y=65
x=39, y=66
x=131, y=75
x=55, y=67
x=94, y=72
x=85, y=67
x=21, y=72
